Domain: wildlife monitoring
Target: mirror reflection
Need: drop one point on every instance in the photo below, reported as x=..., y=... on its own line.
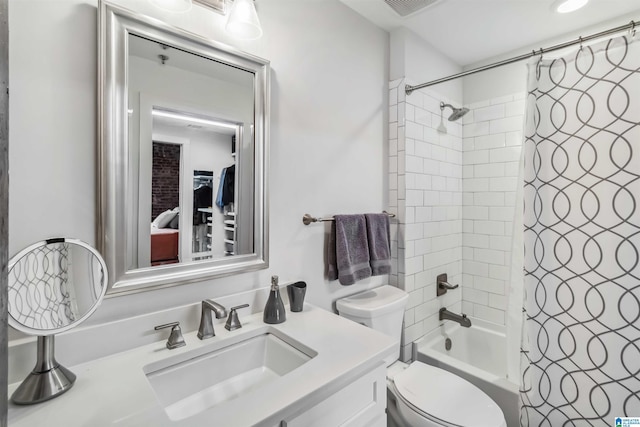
x=205, y=190
x=54, y=284
x=183, y=155
x=191, y=120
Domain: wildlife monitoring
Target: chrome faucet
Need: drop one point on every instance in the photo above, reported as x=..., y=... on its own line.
x=206, y=322
x=460, y=318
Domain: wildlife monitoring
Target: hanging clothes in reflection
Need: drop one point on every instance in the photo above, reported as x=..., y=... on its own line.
x=220, y=189
x=202, y=195
x=226, y=188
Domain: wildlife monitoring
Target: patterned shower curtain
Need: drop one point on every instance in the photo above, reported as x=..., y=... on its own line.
x=581, y=337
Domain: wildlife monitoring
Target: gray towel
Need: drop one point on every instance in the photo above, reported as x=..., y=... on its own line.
x=332, y=268
x=378, y=236
x=350, y=261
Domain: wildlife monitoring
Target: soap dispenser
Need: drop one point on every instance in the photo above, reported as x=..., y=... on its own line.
x=274, y=310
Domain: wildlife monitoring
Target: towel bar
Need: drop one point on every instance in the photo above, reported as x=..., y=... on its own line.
x=308, y=219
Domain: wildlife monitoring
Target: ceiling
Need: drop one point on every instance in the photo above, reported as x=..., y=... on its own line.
x=151, y=50
x=469, y=31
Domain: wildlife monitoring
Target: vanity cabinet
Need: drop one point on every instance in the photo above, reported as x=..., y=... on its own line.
x=362, y=403
x=341, y=380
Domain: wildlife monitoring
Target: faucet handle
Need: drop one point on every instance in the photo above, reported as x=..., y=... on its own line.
x=175, y=337
x=447, y=285
x=442, y=284
x=233, y=322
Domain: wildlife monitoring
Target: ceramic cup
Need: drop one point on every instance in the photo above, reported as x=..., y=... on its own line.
x=296, y=293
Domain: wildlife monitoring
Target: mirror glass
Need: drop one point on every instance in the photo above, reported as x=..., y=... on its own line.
x=54, y=285
x=192, y=148
x=183, y=153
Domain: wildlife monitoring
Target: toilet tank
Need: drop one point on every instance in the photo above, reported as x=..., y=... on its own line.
x=381, y=309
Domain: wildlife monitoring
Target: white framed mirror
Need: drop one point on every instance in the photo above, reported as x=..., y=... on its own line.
x=183, y=154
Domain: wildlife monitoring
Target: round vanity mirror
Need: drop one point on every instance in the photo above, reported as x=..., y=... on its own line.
x=53, y=286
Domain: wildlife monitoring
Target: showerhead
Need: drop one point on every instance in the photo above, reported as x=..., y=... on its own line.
x=456, y=112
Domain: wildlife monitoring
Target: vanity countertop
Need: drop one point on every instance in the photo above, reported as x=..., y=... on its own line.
x=114, y=390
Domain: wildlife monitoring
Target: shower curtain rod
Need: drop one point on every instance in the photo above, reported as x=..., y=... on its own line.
x=630, y=26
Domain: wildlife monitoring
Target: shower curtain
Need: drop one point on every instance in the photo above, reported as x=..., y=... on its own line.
x=581, y=336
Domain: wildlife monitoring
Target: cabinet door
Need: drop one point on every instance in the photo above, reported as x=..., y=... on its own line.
x=360, y=404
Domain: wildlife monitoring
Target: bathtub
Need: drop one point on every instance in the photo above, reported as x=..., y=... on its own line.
x=478, y=354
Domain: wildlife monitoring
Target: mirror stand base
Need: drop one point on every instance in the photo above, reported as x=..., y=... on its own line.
x=48, y=379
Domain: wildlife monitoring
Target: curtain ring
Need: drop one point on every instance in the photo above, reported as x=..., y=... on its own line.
x=580, y=43
x=539, y=60
x=633, y=28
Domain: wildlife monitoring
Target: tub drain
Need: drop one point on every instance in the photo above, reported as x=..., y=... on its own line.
x=447, y=344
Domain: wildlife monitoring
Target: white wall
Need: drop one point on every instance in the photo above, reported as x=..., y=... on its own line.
x=416, y=60
x=211, y=151
x=328, y=125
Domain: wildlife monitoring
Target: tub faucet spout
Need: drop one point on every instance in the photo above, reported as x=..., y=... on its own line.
x=462, y=319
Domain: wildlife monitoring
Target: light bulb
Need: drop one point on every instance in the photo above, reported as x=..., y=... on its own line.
x=566, y=6
x=243, y=20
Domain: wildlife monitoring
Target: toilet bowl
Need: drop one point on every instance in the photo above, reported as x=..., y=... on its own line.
x=426, y=396
x=419, y=395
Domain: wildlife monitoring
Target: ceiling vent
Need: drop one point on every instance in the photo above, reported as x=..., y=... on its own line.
x=407, y=7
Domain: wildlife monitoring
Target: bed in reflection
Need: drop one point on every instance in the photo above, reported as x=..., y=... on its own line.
x=165, y=238
x=164, y=246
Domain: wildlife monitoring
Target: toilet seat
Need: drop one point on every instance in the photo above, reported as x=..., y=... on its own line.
x=438, y=396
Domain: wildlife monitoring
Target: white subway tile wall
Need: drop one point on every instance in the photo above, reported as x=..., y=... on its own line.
x=425, y=168
x=454, y=195
x=492, y=146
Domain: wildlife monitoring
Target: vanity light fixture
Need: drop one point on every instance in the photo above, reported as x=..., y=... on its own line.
x=176, y=6
x=243, y=21
x=566, y=6
x=191, y=119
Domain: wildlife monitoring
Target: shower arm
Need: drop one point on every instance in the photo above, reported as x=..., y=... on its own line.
x=456, y=113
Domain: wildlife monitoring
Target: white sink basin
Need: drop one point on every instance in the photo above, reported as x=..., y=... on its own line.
x=196, y=381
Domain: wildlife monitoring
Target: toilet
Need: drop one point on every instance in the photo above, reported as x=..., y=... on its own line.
x=418, y=394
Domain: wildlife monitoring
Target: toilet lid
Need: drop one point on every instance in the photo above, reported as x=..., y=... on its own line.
x=447, y=397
